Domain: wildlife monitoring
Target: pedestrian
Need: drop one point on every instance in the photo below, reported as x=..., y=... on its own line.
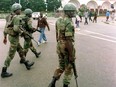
x=65, y=46
x=113, y=15
x=90, y=15
x=107, y=15
x=13, y=31
x=77, y=21
x=86, y=17
x=27, y=25
x=95, y=17
x=80, y=15
x=41, y=25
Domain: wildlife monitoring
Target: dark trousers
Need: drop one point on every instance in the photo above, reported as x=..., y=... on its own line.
x=86, y=22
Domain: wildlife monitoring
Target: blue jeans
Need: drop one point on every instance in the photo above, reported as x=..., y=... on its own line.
x=42, y=35
x=77, y=24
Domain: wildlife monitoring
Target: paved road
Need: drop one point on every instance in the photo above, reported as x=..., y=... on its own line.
x=95, y=50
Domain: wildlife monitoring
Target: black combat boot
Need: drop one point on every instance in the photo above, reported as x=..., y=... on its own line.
x=4, y=73
x=37, y=54
x=53, y=82
x=22, y=61
x=65, y=85
x=28, y=64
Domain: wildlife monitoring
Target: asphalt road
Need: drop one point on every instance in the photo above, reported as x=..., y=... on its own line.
x=95, y=52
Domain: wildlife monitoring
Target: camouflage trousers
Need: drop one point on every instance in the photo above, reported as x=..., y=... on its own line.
x=14, y=46
x=28, y=45
x=64, y=65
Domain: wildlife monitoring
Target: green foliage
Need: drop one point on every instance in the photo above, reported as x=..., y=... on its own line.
x=5, y=5
x=53, y=5
x=35, y=5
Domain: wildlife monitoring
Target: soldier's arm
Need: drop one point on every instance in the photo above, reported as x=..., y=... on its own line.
x=69, y=46
x=5, y=31
x=5, y=38
x=69, y=34
x=30, y=25
x=17, y=24
x=56, y=32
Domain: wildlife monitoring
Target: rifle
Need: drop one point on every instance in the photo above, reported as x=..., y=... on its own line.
x=75, y=73
x=38, y=31
x=25, y=32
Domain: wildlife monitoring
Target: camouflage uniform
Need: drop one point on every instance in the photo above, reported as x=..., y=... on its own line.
x=14, y=42
x=64, y=29
x=28, y=27
x=12, y=29
x=65, y=50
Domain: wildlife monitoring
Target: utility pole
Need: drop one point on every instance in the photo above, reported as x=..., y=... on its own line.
x=46, y=3
x=19, y=1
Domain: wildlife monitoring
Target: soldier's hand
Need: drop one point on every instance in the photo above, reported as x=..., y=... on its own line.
x=48, y=29
x=71, y=59
x=5, y=41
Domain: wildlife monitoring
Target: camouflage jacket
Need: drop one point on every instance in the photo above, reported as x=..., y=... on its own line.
x=64, y=29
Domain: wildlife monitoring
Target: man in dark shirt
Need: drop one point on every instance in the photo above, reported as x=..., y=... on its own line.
x=42, y=23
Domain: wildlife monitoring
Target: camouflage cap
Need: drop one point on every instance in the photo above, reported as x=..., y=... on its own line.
x=28, y=11
x=69, y=7
x=16, y=6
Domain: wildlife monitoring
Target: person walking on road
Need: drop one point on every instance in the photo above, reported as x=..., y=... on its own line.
x=42, y=23
x=12, y=29
x=28, y=27
x=90, y=15
x=86, y=17
x=77, y=20
x=65, y=48
x=107, y=16
x=95, y=17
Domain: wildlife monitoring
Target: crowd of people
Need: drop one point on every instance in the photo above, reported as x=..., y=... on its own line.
x=88, y=15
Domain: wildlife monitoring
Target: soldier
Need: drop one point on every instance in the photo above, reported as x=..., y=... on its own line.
x=65, y=47
x=28, y=27
x=13, y=30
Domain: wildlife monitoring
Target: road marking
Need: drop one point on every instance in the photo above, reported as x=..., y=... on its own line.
x=98, y=37
x=100, y=34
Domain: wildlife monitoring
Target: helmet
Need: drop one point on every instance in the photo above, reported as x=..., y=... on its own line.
x=16, y=6
x=69, y=7
x=28, y=11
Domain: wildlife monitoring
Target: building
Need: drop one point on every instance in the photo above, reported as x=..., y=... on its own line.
x=100, y=5
x=92, y=4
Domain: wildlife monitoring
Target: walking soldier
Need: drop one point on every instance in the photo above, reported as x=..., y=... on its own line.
x=12, y=29
x=65, y=48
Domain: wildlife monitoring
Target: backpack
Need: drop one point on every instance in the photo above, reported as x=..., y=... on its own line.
x=9, y=25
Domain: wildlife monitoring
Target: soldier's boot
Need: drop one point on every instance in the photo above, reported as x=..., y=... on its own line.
x=65, y=85
x=5, y=73
x=37, y=54
x=22, y=61
x=28, y=64
x=53, y=82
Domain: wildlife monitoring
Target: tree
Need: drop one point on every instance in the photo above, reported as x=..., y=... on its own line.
x=52, y=5
x=5, y=5
x=35, y=5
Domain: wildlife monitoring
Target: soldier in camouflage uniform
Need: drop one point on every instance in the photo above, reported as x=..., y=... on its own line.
x=27, y=25
x=13, y=30
x=65, y=47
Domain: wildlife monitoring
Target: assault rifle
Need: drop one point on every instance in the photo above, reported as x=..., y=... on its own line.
x=75, y=73
x=25, y=32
